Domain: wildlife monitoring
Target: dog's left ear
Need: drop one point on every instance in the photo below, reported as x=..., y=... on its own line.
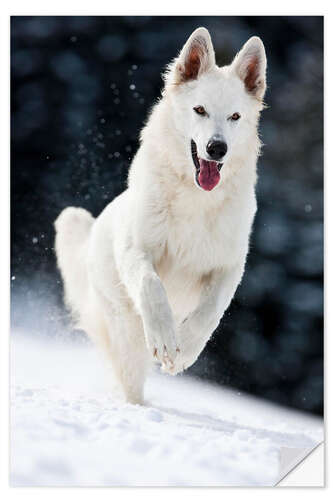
x=250, y=65
x=196, y=57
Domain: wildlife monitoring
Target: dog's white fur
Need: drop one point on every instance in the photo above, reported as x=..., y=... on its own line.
x=151, y=277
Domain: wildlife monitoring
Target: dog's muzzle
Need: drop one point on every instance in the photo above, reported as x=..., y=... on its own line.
x=207, y=173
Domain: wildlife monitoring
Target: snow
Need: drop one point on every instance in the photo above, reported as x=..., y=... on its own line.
x=67, y=429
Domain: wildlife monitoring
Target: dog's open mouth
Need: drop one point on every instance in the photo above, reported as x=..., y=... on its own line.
x=207, y=172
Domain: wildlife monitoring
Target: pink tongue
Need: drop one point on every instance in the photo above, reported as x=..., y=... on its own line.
x=209, y=174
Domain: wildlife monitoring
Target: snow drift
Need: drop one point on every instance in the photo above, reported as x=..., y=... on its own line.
x=68, y=430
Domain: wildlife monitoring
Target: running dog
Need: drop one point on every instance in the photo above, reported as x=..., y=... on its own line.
x=151, y=277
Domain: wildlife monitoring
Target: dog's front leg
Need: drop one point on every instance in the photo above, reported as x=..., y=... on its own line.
x=195, y=331
x=149, y=297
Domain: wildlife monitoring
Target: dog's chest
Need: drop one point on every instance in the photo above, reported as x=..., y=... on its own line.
x=196, y=244
x=198, y=240
x=202, y=240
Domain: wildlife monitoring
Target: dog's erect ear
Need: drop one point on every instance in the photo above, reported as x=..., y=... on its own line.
x=250, y=65
x=196, y=57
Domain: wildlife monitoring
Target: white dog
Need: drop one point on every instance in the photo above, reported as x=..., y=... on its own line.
x=150, y=278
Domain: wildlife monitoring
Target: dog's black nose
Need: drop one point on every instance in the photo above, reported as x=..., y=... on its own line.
x=216, y=149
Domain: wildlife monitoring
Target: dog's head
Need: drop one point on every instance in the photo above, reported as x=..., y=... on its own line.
x=216, y=109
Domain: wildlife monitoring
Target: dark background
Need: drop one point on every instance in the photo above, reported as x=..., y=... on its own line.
x=80, y=91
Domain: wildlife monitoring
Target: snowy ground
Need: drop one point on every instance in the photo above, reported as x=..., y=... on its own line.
x=67, y=429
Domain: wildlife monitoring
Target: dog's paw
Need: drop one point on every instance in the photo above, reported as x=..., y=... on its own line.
x=164, y=349
x=180, y=364
x=188, y=351
x=172, y=367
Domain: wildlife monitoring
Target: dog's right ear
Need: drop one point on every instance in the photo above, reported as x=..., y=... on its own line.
x=196, y=57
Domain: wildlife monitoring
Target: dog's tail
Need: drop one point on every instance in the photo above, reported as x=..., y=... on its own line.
x=73, y=227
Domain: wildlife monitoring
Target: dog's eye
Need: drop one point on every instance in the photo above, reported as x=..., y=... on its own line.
x=235, y=117
x=200, y=110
